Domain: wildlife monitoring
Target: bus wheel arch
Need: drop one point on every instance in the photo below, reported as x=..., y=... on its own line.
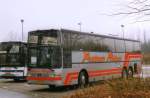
x=83, y=78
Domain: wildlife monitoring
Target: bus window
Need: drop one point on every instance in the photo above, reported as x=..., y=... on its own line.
x=109, y=43
x=45, y=56
x=129, y=46
x=56, y=57
x=120, y=45
x=14, y=49
x=137, y=47
x=67, y=59
x=33, y=55
x=99, y=44
x=67, y=40
x=33, y=39
x=49, y=40
x=79, y=42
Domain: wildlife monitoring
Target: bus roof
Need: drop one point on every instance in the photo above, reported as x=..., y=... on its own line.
x=86, y=33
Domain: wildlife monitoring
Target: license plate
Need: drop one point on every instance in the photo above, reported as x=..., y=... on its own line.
x=8, y=74
x=39, y=82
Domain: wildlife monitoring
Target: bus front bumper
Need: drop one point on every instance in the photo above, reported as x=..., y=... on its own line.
x=45, y=80
x=12, y=77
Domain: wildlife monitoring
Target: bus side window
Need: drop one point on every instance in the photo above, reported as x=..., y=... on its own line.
x=137, y=47
x=110, y=44
x=120, y=46
x=67, y=59
x=129, y=46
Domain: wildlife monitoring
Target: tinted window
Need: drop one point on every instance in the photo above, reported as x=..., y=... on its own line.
x=14, y=49
x=109, y=43
x=33, y=39
x=137, y=46
x=129, y=46
x=96, y=44
x=49, y=40
x=45, y=57
x=67, y=59
x=120, y=47
x=77, y=41
x=67, y=40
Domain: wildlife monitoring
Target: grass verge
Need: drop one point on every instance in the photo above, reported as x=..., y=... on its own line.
x=131, y=88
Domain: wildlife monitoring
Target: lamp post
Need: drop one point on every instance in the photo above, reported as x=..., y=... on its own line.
x=22, y=21
x=80, y=25
x=122, y=26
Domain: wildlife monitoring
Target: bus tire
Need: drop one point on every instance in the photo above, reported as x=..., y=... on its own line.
x=124, y=73
x=51, y=86
x=16, y=79
x=83, y=79
x=130, y=72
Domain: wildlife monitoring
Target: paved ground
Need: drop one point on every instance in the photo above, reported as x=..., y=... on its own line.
x=11, y=89
x=11, y=94
x=33, y=91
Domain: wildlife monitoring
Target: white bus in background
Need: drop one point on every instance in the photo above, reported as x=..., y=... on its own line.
x=13, y=61
x=66, y=57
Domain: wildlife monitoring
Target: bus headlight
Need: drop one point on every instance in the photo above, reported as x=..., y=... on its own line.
x=52, y=75
x=28, y=74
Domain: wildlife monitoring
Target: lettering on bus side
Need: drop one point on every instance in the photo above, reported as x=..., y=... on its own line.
x=98, y=58
x=113, y=58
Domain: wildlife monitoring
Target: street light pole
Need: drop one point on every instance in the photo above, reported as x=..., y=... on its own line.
x=22, y=27
x=122, y=26
x=80, y=25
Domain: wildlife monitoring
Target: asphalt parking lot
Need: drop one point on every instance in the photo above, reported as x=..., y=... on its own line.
x=33, y=91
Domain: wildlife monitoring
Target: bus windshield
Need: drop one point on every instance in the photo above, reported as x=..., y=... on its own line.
x=5, y=48
x=9, y=54
x=45, y=56
x=43, y=37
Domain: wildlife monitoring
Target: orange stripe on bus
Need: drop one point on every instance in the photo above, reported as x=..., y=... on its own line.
x=74, y=76
x=108, y=70
x=70, y=77
x=129, y=56
x=106, y=73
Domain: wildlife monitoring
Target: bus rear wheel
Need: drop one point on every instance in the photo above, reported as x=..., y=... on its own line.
x=51, y=86
x=83, y=79
x=130, y=73
x=16, y=79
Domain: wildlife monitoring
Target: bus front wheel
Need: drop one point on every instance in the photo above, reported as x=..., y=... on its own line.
x=51, y=86
x=83, y=79
x=16, y=79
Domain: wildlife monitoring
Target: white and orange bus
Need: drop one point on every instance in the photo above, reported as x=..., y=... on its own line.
x=13, y=60
x=66, y=57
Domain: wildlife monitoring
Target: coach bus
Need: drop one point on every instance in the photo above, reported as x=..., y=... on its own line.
x=67, y=57
x=13, y=60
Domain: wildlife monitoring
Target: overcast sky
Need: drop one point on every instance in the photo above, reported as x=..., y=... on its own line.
x=47, y=14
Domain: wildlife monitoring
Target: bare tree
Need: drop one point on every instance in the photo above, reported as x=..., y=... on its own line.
x=140, y=9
